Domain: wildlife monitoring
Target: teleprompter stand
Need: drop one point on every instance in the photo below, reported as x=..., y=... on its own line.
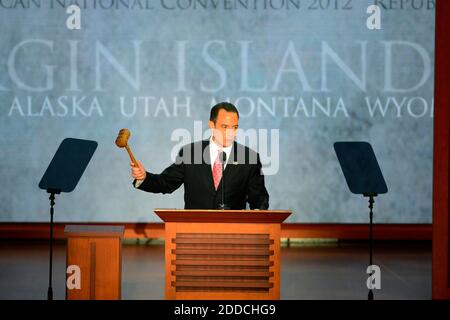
x=62, y=175
x=363, y=175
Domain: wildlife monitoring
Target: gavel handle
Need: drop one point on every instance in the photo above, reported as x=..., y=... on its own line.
x=131, y=156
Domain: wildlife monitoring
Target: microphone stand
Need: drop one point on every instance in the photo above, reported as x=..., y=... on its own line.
x=50, y=271
x=371, y=202
x=223, y=159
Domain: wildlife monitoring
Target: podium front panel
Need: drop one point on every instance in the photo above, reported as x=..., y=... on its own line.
x=222, y=261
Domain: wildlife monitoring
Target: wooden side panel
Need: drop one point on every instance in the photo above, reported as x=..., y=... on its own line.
x=171, y=229
x=441, y=178
x=78, y=253
x=100, y=264
x=108, y=268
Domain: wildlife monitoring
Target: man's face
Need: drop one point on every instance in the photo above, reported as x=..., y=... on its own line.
x=225, y=127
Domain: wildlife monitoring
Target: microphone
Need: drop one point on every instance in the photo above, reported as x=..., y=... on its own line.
x=223, y=160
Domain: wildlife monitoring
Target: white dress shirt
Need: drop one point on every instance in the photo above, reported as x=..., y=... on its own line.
x=214, y=150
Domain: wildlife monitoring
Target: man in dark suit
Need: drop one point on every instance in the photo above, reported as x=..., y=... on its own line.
x=199, y=167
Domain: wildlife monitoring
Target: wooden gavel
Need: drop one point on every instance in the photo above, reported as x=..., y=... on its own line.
x=122, y=142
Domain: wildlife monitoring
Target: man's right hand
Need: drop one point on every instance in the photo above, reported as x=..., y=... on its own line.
x=139, y=172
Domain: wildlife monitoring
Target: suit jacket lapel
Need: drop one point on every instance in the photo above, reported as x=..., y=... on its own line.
x=231, y=159
x=206, y=167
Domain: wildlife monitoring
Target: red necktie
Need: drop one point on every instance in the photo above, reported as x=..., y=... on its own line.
x=217, y=171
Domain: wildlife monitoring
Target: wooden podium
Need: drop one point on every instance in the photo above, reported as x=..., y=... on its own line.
x=222, y=254
x=97, y=251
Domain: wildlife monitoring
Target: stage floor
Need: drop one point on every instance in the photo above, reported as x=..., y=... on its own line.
x=308, y=271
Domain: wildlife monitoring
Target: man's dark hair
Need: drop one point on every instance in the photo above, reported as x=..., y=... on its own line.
x=229, y=107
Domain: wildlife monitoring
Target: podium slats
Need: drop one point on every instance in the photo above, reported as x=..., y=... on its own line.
x=222, y=262
x=233, y=253
x=223, y=273
x=242, y=251
x=223, y=284
x=255, y=241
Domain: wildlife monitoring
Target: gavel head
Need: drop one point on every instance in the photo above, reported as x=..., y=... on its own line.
x=122, y=138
